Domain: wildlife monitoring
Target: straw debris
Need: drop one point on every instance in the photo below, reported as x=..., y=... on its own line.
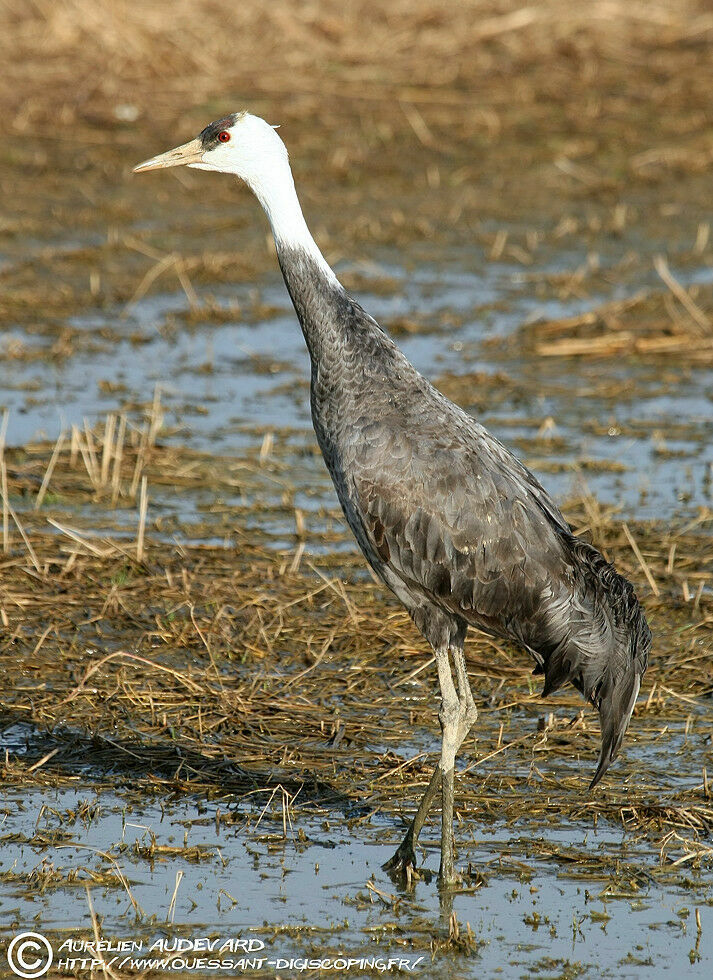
x=190, y=667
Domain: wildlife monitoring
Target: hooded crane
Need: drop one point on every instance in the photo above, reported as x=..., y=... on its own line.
x=454, y=524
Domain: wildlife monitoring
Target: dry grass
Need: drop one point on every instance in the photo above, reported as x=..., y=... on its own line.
x=136, y=649
x=408, y=123
x=456, y=114
x=186, y=52
x=650, y=323
x=237, y=670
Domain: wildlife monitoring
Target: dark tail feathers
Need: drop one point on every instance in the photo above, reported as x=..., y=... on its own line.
x=614, y=714
x=604, y=652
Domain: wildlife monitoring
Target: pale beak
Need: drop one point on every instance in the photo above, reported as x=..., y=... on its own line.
x=181, y=156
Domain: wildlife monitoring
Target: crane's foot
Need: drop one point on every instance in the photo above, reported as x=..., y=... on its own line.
x=404, y=860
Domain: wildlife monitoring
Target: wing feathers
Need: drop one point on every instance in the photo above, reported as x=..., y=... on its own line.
x=513, y=570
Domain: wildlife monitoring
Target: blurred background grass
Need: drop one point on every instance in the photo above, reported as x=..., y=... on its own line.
x=476, y=90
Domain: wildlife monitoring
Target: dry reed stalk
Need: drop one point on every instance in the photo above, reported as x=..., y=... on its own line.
x=45, y=758
x=74, y=447
x=605, y=312
x=107, y=447
x=404, y=765
x=336, y=586
x=694, y=311
x=3, y=431
x=186, y=285
x=8, y=510
x=155, y=417
x=118, y=456
x=89, y=463
x=91, y=451
x=641, y=560
x=266, y=448
x=172, y=904
x=5, y=507
x=38, y=645
x=117, y=871
x=418, y=124
x=140, y=461
x=97, y=952
x=207, y=646
x=148, y=280
x=703, y=233
x=414, y=673
x=82, y=540
x=675, y=345
x=58, y=446
x=143, y=507
x=610, y=343
x=498, y=246
x=295, y=563
x=130, y=658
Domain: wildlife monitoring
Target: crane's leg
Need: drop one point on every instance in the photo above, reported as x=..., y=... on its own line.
x=404, y=860
x=461, y=712
x=469, y=712
x=451, y=739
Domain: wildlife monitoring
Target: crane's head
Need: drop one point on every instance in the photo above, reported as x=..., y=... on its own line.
x=238, y=144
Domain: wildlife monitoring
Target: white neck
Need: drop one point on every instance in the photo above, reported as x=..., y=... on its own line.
x=274, y=188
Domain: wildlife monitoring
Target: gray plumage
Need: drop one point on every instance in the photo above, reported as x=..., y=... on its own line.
x=457, y=527
x=451, y=521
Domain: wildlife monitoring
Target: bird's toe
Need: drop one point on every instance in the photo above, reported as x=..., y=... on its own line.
x=403, y=862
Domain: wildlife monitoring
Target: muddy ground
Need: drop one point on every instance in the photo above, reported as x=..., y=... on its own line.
x=213, y=721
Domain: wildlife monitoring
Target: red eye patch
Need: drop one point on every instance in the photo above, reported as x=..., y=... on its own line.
x=224, y=136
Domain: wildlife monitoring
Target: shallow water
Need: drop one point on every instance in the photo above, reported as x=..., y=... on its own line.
x=306, y=891
x=546, y=896
x=302, y=887
x=636, y=435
